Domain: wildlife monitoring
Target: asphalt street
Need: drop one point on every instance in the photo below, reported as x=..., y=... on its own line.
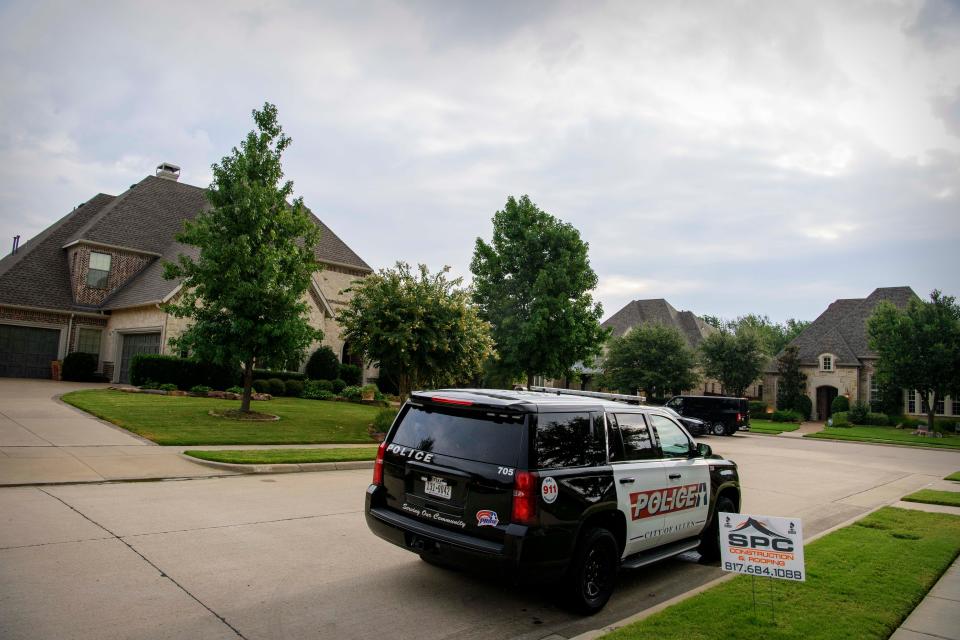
x=289, y=556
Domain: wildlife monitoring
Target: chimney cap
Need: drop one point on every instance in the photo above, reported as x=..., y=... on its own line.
x=168, y=170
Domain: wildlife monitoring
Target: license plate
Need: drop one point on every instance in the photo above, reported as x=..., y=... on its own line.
x=438, y=487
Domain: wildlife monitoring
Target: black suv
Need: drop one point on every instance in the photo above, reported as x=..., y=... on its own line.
x=558, y=488
x=724, y=416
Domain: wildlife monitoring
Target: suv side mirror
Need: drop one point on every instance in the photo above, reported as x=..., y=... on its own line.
x=703, y=450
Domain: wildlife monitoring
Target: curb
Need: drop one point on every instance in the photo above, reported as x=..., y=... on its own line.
x=646, y=613
x=282, y=468
x=927, y=447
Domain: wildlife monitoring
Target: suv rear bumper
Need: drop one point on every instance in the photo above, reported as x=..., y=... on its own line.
x=456, y=549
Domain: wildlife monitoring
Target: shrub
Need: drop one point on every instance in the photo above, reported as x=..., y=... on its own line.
x=277, y=386
x=79, y=367
x=168, y=386
x=840, y=419
x=316, y=390
x=351, y=393
x=323, y=364
x=270, y=374
x=148, y=384
x=338, y=385
x=383, y=420
x=758, y=410
x=261, y=386
x=369, y=391
x=183, y=372
x=786, y=416
x=351, y=374
x=840, y=403
x=805, y=407
x=945, y=425
x=200, y=388
x=326, y=385
x=858, y=413
x=293, y=388
x=237, y=390
x=878, y=419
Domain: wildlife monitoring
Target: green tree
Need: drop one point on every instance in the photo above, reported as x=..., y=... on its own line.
x=533, y=283
x=420, y=326
x=735, y=359
x=245, y=291
x=650, y=357
x=919, y=347
x=792, y=383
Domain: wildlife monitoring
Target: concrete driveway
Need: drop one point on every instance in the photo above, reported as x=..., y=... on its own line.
x=43, y=440
x=289, y=556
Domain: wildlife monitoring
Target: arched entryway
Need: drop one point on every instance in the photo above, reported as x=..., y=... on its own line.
x=347, y=357
x=825, y=396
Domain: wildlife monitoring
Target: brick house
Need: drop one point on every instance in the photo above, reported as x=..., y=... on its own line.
x=92, y=281
x=836, y=357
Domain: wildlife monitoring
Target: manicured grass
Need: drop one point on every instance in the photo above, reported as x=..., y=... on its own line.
x=886, y=435
x=955, y=476
x=769, y=426
x=286, y=456
x=862, y=582
x=931, y=496
x=185, y=420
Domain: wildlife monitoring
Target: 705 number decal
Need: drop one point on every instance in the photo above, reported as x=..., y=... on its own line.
x=505, y=471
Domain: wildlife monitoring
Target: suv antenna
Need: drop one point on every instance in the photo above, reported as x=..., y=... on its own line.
x=619, y=397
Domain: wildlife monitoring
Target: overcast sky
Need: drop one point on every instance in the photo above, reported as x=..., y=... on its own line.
x=731, y=157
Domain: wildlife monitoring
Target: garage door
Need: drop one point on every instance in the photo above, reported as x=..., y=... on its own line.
x=26, y=352
x=135, y=344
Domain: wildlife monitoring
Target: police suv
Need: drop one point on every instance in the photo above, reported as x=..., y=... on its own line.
x=544, y=486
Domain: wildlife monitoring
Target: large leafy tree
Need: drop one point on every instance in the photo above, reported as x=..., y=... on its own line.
x=653, y=358
x=919, y=347
x=420, y=326
x=792, y=383
x=533, y=283
x=735, y=359
x=245, y=291
x=773, y=336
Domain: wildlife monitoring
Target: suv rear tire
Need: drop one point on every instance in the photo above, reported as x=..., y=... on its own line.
x=719, y=429
x=709, y=548
x=593, y=571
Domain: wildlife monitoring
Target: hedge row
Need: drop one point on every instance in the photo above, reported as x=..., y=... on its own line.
x=186, y=373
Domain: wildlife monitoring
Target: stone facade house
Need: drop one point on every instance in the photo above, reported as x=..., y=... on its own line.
x=92, y=281
x=836, y=357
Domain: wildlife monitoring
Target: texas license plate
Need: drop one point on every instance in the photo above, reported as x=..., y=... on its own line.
x=438, y=487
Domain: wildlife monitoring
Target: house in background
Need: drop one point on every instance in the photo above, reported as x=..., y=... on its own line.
x=836, y=357
x=93, y=282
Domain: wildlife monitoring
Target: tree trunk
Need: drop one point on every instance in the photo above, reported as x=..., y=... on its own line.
x=529, y=381
x=403, y=385
x=247, y=386
x=931, y=411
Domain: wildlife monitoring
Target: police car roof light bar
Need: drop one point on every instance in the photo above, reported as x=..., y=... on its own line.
x=619, y=397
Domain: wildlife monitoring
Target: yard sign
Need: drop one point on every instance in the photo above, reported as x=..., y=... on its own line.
x=764, y=546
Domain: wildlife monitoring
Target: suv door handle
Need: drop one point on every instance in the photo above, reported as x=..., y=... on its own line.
x=627, y=480
x=674, y=476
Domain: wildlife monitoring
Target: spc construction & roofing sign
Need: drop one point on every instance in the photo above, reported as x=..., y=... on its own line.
x=762, y=546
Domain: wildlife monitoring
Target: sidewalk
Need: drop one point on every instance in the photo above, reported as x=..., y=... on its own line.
x=805, y=428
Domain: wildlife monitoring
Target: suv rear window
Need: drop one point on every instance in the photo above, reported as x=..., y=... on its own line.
x=462, y=434
x=569, y=440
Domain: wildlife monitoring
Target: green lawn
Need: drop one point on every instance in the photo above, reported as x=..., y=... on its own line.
x=286, y=456
x=931, y=496
x=185, y=420
x=886, y=435
x=769, y=426
x=862, y=582
x=955, y=476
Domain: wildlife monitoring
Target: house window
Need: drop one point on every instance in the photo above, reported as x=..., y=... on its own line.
x=88, y=341
x=874, y=399
x=911, y=401
x=955, y=407
x=940, y=407
x=99, y=270
x=826, y=363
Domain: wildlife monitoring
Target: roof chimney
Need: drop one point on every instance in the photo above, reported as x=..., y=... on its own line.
x=168, y=171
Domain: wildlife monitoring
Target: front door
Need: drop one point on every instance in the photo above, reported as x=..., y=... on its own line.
x=638, y=475
x=135, y=344
x=825, y=397
x=686, y=504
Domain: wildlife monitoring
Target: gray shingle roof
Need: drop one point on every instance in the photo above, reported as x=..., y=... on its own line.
x=145, y=218
x=659, y=311
x=842, y=328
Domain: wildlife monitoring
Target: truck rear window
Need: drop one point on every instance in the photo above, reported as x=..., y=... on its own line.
x=462, y=434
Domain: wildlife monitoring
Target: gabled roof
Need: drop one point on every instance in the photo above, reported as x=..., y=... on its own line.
x=144, y=219
x=659, y=311
x=842, y=328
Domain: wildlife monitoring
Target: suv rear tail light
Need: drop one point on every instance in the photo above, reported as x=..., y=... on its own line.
x=462, y=403
x=739, y=417
x=524, y=498
x=378, y=464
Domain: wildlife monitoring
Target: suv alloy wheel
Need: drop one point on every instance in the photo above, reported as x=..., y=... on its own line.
x=718, y=428
x=593, y=571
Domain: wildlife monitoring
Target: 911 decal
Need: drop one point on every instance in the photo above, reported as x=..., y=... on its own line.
x=644, y=504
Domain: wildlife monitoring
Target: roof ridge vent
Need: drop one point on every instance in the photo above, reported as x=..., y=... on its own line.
x=168, y=171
